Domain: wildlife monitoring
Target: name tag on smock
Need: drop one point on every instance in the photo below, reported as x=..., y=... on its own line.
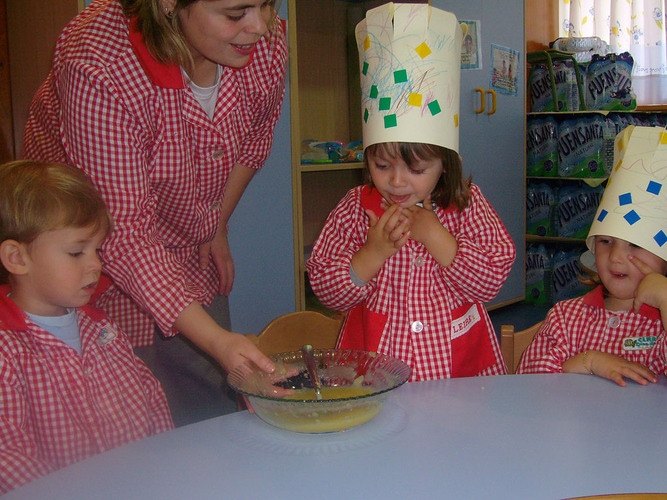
x=639, y=343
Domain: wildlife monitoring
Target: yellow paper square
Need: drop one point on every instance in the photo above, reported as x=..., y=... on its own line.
x=423, y=50
x=415, y=99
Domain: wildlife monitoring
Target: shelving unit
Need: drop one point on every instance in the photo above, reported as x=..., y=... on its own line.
x=325, y=103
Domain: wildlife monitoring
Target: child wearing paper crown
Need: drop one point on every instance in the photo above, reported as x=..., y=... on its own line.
x=413, y=255
x=617, y=330
x=70, y=385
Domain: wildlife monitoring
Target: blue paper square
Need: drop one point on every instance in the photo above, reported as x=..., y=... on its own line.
x=632, y=217
x=625, y=199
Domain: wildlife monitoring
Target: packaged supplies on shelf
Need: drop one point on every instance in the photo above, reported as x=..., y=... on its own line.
x=541, y=93
x=331, y=152
x=575, y=209
x=538, y=274
x=581, y=147
x=542, y=147
x=566, y=269
x=540, y=202
x=583, y=47
x=609, y=83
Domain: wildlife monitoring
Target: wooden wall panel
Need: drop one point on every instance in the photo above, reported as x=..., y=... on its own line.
x=541, y=23
x=32, y=28
x=6, y=123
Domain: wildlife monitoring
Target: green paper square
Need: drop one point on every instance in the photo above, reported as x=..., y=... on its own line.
x=365, y=68
x=400, y=76
x=374, y=91
x=366, y=115
x=385, y=103
x=434, y=107
x=389, y=121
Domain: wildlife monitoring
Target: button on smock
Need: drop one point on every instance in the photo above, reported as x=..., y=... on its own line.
x=614, y=321
x=218, y=154
x=417, y=327
x=419, y=261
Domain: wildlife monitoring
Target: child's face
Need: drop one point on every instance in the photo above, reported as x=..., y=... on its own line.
x=403, y=184
x=620, y=276
x=62, y=270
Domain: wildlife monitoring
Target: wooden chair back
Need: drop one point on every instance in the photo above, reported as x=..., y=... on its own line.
x=291, y=331
x=512, y=344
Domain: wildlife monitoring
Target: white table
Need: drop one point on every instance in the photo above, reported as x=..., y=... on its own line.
x=517, y=436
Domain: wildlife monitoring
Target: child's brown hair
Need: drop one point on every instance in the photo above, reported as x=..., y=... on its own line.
x=451, y=189
x=36, y=197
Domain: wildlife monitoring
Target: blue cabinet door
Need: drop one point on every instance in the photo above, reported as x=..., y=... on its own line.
x=492, y=145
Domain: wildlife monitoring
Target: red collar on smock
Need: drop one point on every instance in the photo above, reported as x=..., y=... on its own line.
x=163, y=75
x=12, y=317
x=595, y=298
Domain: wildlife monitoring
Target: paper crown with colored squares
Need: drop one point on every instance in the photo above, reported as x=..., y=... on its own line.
x=410, y=62
x=634, y=204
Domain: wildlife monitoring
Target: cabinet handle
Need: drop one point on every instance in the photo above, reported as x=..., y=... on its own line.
x=493, y=100
x=481, y=100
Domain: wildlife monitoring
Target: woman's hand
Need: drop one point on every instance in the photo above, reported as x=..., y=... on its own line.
x=227, y=348
x=220, y=254
x=609, y=366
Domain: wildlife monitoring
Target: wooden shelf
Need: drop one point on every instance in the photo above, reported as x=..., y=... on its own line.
x=330, y=167
x=533, y=238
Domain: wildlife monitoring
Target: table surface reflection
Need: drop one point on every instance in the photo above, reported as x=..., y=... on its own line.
x=516, y=436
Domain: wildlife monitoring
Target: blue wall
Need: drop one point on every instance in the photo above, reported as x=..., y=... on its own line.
x=262, y=237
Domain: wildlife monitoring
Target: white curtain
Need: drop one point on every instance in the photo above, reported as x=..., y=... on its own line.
x=635, y=26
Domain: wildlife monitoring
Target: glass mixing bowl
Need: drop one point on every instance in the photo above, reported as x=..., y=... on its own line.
x=355, y=386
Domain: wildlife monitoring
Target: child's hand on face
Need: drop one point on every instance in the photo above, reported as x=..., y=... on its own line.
x=617, y=369
x=423, y=222
x=388, y=233
x=652, y=290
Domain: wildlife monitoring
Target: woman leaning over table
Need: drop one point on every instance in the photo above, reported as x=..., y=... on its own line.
x=170, y=107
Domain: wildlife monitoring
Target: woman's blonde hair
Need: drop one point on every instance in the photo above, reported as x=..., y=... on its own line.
x=451, y=189
x=162, y=32
x=36, y=197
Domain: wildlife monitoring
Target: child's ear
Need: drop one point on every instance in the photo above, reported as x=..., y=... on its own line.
x=12, y=255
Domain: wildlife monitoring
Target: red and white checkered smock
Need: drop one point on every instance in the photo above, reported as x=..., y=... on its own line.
x=583, y=324
x=157, y=159
x=58, y=407
x=411, y=288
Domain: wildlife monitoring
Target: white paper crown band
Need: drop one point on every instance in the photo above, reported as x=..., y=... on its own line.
x=410, y=62
x=634, y=204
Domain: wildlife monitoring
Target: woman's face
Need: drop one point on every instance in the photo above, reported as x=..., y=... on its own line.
x=223, y=32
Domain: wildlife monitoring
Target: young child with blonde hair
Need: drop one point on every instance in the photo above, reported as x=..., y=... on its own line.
x=617, y=331
x=70, y=384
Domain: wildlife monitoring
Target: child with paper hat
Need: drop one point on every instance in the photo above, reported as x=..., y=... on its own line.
x=413, y=255
x=617, y=330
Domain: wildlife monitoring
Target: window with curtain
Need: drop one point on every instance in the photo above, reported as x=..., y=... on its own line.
x=635, y=26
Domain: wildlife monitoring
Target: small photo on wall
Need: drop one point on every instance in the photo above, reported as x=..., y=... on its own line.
x=505, y=69
x=471, y=55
